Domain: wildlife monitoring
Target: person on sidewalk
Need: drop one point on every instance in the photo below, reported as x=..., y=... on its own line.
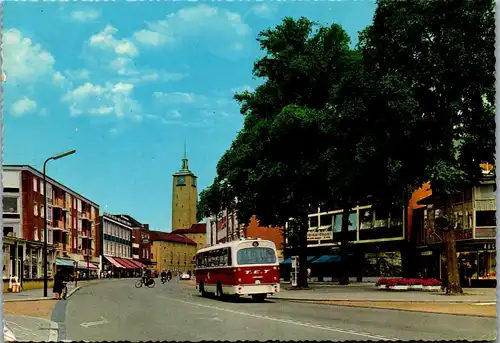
x=58, y=284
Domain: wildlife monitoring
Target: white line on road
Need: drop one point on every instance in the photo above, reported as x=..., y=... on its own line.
x=287, y=321
x=96, y=323
x=484, y=304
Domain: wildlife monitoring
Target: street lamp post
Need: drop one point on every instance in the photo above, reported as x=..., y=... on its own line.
x=45, y=231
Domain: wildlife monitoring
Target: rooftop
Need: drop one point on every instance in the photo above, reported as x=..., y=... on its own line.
x=195, y=228
x=170, y=237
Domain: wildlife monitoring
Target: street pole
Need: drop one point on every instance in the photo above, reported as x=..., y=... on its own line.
x=45, y=231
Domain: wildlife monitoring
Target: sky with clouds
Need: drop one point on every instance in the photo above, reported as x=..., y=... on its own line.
x=126, y=83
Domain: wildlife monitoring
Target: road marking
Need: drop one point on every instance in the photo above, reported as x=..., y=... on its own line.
x=485, y=304
x=287, y=321
x=96, y=323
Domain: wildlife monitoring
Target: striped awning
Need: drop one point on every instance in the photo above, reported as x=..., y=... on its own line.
x=114, y=262
x=86, y=265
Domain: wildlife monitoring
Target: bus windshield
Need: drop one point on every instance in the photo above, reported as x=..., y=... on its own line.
x=256, y=256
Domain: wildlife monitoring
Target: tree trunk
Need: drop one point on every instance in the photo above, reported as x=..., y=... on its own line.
x=303, y=228
x=344, y=249
x=453, y=286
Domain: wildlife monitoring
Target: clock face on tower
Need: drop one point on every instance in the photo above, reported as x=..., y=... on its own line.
x=181, y=180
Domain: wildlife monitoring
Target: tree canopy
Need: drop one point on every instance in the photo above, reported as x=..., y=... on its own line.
x=332, y=125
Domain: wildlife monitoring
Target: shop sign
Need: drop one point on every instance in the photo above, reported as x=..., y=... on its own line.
x=145, y=241
x=317, y=236
x=490, y=246
x=426, y=253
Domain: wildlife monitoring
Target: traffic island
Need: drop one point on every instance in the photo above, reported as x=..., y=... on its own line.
x=464, y=309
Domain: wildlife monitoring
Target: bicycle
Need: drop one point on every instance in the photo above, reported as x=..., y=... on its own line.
x=150, y=283
x=64, y=292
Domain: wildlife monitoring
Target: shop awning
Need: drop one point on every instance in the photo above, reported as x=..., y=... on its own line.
x=138, y=264
x=84, y=265
x=328, y=259
x=125, y=263
x=113, y=262
x=64, y=262
x=289, y=260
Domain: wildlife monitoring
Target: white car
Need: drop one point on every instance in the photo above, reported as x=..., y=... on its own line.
x=185, y=276
x=8, y=335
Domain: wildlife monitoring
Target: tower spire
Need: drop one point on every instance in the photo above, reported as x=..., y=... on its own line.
x=185, y=166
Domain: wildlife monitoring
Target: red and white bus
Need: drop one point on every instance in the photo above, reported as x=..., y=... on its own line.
x=243, y=267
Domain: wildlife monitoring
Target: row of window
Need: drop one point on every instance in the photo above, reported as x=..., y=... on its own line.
x=115, y=249
x=77, y=203
x=247, y=256
x=116, y=230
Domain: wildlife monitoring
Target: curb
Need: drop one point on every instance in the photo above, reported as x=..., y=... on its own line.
x=405, y=310
x=42, y=298
x=54, y=332
x=384, y=300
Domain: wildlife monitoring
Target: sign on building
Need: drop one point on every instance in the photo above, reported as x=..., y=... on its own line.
x=319, y=236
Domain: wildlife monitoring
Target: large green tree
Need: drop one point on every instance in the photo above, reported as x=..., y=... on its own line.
x=442, y=54
x=275, y=164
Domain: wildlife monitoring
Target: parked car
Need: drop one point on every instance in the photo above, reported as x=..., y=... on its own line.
x=185, y=276
x=8, y=335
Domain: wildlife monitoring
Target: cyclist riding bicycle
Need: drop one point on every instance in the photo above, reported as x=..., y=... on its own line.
x=145, y=276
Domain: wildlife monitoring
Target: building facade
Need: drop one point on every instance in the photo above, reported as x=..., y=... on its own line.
x=197, y=233
x=171, y=251
x=184, y=197
x=474, y=212
x=141, y=240
x=116, y=253
x=72, y=222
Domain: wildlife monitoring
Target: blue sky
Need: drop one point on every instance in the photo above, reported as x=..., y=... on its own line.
x=126, y=83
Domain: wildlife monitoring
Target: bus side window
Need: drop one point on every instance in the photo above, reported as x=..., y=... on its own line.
x=223, y=257
x=229, y=260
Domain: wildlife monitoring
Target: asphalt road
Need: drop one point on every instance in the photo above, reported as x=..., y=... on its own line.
x=114, y=311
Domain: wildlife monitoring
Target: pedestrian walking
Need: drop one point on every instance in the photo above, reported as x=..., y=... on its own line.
x=58, y=284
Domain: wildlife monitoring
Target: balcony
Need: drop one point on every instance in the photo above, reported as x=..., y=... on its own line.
x=58, y=225
x=58, y=203
x=438, y=237
x=84, y=216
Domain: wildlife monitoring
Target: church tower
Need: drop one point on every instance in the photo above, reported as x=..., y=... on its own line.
x=184, y=196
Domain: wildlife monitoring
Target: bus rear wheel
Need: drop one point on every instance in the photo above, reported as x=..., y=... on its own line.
x=259, y=297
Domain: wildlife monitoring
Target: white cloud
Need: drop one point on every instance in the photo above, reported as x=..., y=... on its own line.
x=58, y=79
x=23, y=60
x=23, y=106
x=242, y=89
x=175, y=114
x=106, y=40
x=263, y=10
x=178, y=97
x=148, y=37
x=84, y=16
x=77, y=74
x=113, y=131
x=201, y=20
x=109, y=99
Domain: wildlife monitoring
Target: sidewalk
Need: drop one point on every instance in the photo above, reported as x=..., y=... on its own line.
x=34, y=329
x=37, y=294
x=364, y=292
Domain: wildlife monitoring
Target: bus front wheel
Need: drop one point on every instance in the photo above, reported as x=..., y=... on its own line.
x=259, y=297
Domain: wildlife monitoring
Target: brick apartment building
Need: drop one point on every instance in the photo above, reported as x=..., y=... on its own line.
x=72, y=222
